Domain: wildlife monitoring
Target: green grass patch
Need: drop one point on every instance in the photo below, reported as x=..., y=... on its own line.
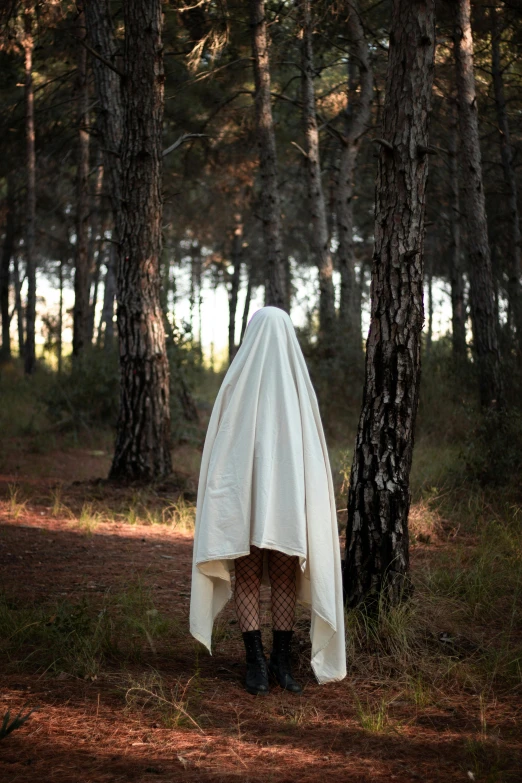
x=79, y=638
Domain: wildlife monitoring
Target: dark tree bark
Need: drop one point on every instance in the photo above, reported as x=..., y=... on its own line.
x=276, y=284
x=17, y=283
x=82, y=278
x=246, y=307
x=458, y=306
x=107, y=82
x=377, y=556
x=481, y=292
x=506, y=151
x=237, y=242
x=143, y=430
x=357, y=117
x=319, y=223
x=30, y=250
x=5, y=263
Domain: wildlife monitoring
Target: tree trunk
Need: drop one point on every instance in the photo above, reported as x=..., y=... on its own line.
x=506, y=151
x=246, y=307
x=276, y=292
x=60, y=319
x=18, y=305
x=5, y=263
x=96, y=243
x=143, y=430
x=108, y=92
x=377, y=556
x=30, y=253
x=357, y=117
x=82, y=280
x=110, y=122
x=237, y=242
x=429, y=279
x=195, y=298
x=458, y=307
x=481, y=293
x=319, y=223
x=109, y=294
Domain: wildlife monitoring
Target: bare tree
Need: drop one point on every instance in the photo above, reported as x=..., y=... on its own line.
x=5, y=263
x=130, y=120
x=81, y=271
x=356, y=119
x=276, y=284
x=458, y=305
x=30, y=250
x=319, y=223
x=481, y=291
x=377, y=555
x=107, y=82
x=506, y=151
x=143, y=431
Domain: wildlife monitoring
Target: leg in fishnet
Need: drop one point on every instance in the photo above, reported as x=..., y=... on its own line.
x=282, y=570
x=249, y=570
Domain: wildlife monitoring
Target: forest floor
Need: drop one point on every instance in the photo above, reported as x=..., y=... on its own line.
x=94, y=600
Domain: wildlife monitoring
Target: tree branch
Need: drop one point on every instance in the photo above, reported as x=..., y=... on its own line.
x=99, y=56
x=182, y=139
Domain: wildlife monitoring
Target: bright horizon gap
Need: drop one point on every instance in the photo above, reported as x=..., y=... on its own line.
x=214, y=308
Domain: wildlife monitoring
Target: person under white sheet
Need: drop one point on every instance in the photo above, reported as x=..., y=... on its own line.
x=266, y=508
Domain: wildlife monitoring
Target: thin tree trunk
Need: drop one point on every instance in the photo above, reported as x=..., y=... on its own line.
x=195, y=298
x=237, y=242
x=95, y=282
x=5, y=263
x=60, y=319
x=82, y=281
x=506, y=151
x=319, y=223
x=109, y=295
x=30, y=251
x=481, y=292
x=246, y=307
x=107, y=84
x=18, y=305
x=276, y=290
x=377, y=556
x=458, y=306
x=143, y=431
x=429, y=276
x=96, y=243
x=108, y=92
x=357, y=118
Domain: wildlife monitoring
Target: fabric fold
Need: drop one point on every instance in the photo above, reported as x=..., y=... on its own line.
x=265, y=480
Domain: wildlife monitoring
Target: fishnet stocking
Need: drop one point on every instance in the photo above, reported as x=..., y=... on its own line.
x=282, y=571
x=249, y=570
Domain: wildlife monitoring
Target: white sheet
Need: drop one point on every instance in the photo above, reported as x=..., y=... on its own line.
x=265, y=480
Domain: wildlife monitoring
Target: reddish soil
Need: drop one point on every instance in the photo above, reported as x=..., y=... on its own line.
x=83, y=730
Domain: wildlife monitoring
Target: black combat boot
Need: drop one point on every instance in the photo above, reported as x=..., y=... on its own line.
x=279, y=664
x=256, y=681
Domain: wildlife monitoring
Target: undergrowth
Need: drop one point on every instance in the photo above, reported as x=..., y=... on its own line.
x=81, y=637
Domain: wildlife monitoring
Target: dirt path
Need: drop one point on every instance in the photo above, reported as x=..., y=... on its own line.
x=86, y=730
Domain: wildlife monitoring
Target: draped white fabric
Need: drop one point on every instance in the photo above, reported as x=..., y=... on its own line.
x=265, y=480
